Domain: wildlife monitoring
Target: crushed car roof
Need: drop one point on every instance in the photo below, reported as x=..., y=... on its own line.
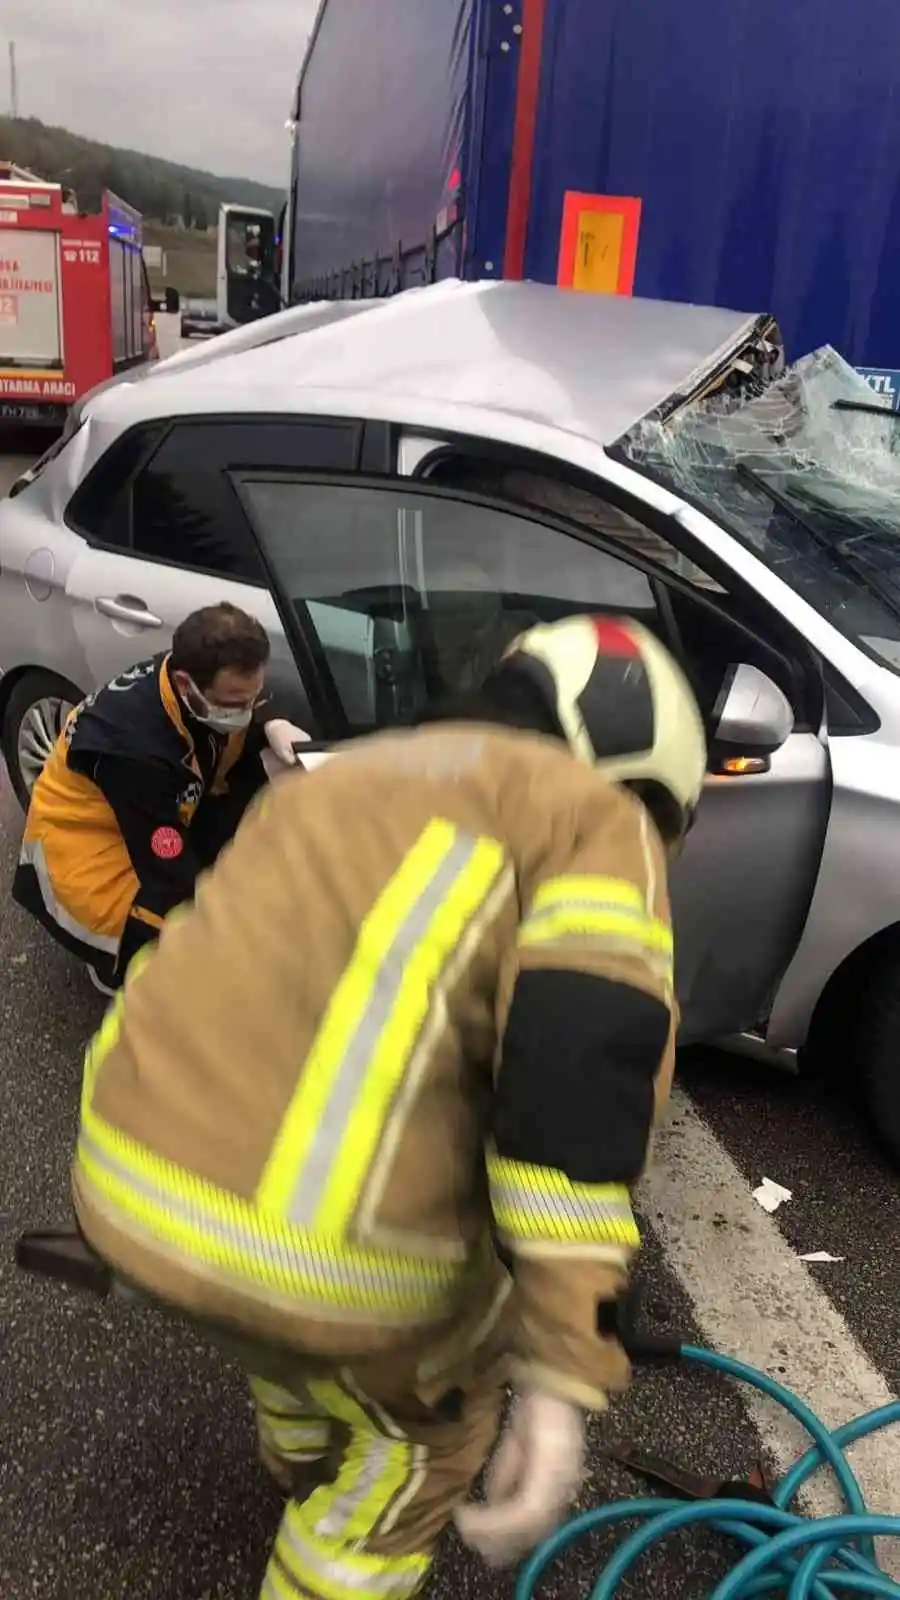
x=588, y=364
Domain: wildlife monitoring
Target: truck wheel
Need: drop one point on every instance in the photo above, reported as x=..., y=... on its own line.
x=32, y=722
x=855, y=1037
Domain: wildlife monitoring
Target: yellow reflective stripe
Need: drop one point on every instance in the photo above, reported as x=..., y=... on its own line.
x=602, y=911
x=98, y=1049
x=332, y=1571
x=283, y=1402
x=567, y=922
x=346, y=1008
x=539, y=1203
x=332, y=1128
x=374, y=1469
x=207, y=1226
x=107, y=1035
x=390, y=1055
x=591, y=889
x=291, y=1425
x=295, y=1441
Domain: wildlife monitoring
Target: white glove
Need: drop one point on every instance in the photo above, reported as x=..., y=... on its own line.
x=282, y=736
x=531, y=1482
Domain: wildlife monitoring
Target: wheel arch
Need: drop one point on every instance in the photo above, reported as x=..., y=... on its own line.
x=53, y=683
x=11, y=680
x=829, y=1016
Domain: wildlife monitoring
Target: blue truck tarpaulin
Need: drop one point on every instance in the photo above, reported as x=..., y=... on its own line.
x=760, y=139
x=382, y=101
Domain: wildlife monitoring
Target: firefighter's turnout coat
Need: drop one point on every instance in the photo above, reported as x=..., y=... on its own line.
x=416, y=1020
x=136, y=797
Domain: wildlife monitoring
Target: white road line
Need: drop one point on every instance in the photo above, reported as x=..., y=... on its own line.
x=756, y=1300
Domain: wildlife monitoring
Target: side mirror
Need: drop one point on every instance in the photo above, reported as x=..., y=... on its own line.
x=751, y=720
x=173, y=302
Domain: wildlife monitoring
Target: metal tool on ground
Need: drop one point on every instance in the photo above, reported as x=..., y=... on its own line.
x=787, y=1553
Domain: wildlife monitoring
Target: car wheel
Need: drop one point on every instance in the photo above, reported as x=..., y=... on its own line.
x=855, y=1038
x=876, y=1045
x=35, y=715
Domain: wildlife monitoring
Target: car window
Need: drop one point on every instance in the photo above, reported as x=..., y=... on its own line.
x=101, y=506
x=184, y=508
x=706, y=637
x=579, y=504
x=414, y=594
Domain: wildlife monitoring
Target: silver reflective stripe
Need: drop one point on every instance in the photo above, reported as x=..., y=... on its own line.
x=649, y=932
x=554, y=907
x=343, y=1506
x=306, y=1440
x=279, y=1402
x=535, y=1205
x=372, y=1576
x=313, y=1179
x=32, y=855
x=352, y=1283
x=632, y=945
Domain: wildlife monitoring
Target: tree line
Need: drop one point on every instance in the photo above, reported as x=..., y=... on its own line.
x=164, y=190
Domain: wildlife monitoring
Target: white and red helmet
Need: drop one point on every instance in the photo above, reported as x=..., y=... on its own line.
x=624, y=706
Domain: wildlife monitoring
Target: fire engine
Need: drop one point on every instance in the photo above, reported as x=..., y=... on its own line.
x=75, y=304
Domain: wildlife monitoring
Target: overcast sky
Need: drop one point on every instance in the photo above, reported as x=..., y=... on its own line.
x=206, y=82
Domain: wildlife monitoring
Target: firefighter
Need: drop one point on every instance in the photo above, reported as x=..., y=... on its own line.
x=414, y=1026
x=148, y=780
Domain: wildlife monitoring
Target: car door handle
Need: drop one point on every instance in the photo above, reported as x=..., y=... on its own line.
x=125, y=608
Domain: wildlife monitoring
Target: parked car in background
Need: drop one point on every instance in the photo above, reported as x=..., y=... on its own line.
x=398, y=492
x=199, y=319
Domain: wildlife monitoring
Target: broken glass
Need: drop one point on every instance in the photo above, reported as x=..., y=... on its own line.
x=807, y=475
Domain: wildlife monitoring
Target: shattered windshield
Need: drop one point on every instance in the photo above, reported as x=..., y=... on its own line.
x=807, y=475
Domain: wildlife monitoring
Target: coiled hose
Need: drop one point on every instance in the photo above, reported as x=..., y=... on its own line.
x=787, y=1554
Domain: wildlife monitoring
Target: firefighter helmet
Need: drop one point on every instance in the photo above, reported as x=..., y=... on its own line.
x=624, y=706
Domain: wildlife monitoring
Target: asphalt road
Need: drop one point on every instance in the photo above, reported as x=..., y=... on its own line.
x=127, y=1456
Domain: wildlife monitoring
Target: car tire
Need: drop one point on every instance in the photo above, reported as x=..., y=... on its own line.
x=854, y=1041
x=35, y=713
x=875, y=1050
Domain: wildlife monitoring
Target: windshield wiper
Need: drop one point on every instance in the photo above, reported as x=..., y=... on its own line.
x=870, y=408
x=839, y=549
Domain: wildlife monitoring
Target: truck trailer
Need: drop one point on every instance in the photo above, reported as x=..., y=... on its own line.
x=75, y=305
x=743, y=155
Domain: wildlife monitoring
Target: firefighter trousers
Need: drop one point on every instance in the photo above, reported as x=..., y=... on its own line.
x=373, y=1479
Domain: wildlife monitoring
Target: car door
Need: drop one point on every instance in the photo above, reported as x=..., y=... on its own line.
x=404, y=596
x=466, y=578
x=742, y=888
x=166, y=534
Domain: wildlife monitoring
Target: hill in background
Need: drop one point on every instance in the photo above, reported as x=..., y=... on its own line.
x=172, y=194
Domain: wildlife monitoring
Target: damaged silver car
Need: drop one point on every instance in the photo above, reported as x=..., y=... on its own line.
x=397, y=492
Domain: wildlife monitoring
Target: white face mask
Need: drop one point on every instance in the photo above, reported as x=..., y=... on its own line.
x=222, y=719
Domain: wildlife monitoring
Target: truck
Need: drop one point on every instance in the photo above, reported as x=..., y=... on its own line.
x=740, y=155
x=75, y=305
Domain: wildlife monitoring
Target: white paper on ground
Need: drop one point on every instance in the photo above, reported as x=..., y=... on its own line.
x=771, y=1195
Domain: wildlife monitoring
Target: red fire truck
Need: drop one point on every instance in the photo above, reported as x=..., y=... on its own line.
x=75, y=304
